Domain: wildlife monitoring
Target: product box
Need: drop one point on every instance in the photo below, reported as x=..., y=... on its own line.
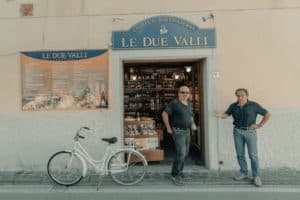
x=141, y=143
x=146, y=143
x=153, y=155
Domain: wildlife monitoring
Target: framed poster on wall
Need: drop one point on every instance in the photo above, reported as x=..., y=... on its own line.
x=64, y=80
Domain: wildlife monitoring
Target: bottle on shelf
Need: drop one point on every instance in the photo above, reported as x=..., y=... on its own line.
x=103, y=99
x=152, y=104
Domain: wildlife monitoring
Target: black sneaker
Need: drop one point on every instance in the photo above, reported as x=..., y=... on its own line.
x=240, y=176
x=177, y=180
x=182, y=175
x=180, y=180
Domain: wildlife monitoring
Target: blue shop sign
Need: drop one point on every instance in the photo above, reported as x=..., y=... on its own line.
x=163, y=32
x=65, y=55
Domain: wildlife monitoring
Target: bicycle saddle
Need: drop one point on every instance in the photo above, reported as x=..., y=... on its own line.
x=111, y=140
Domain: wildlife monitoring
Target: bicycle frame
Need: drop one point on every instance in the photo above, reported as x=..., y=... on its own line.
x=100, y=166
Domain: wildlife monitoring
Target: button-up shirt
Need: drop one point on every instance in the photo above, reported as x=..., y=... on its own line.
x=245, y=116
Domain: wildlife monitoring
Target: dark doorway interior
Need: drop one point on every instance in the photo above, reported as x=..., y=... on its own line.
x=148, y=88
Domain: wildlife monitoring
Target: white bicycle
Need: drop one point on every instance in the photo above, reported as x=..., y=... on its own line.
x=125, y=165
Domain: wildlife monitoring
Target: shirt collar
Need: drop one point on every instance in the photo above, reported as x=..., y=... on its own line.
x=246, y=104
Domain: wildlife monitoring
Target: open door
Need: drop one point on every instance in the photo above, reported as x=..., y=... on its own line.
x=148, y=88
x=197, y=140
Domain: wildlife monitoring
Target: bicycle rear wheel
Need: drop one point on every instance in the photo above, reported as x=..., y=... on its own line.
x=127, y=167
x=65, y=168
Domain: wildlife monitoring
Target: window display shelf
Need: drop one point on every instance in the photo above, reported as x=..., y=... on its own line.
x=143, y=134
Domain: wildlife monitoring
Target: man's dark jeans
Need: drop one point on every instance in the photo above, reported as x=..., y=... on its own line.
x=182, y=142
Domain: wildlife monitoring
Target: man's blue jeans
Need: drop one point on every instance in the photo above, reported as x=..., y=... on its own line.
x=182, y=143
x=249, y=138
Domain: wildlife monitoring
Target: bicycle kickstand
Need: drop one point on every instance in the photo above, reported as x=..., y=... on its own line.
x=101, y=178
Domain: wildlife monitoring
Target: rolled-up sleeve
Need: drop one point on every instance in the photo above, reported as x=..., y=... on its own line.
x=229, y=110
x=169, y=108
x=261, y=110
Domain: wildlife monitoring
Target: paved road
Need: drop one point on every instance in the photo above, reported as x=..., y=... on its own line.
x=154, y=192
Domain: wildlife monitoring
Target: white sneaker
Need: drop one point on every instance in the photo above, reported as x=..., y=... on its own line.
x=257, y=182
x=240, y=176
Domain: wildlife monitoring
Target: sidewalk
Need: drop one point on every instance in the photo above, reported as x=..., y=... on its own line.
x=159, y=175
x=199, y=184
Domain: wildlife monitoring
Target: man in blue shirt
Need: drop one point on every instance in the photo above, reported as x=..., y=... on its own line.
x=244, y=113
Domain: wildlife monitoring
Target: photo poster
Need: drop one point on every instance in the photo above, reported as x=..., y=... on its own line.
x=64, y=80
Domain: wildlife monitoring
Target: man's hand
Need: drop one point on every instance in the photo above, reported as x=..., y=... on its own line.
x=194, y=128
x=169, y=130
x=221, y=115
x=255, y=126
x=218, y=115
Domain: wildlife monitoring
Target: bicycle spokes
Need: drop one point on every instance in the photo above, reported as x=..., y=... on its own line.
x=65, y=168
x=127, y=167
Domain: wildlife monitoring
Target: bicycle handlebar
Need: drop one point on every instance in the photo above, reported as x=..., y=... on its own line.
x=80, y=136
x=85, y=127
x=78, y=133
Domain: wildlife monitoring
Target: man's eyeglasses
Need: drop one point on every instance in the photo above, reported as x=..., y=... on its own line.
x=183, y=92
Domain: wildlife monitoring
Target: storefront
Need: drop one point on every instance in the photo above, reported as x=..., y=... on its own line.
x=78, y=80
x=151, y=74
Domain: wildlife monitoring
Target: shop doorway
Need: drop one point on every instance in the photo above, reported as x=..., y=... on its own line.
x=148, y=87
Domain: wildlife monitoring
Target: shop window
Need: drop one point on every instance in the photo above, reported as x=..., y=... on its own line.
x=64, y=80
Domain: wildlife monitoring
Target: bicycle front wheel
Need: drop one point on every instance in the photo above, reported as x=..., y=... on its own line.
x=65, y=168
x=127, y=167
